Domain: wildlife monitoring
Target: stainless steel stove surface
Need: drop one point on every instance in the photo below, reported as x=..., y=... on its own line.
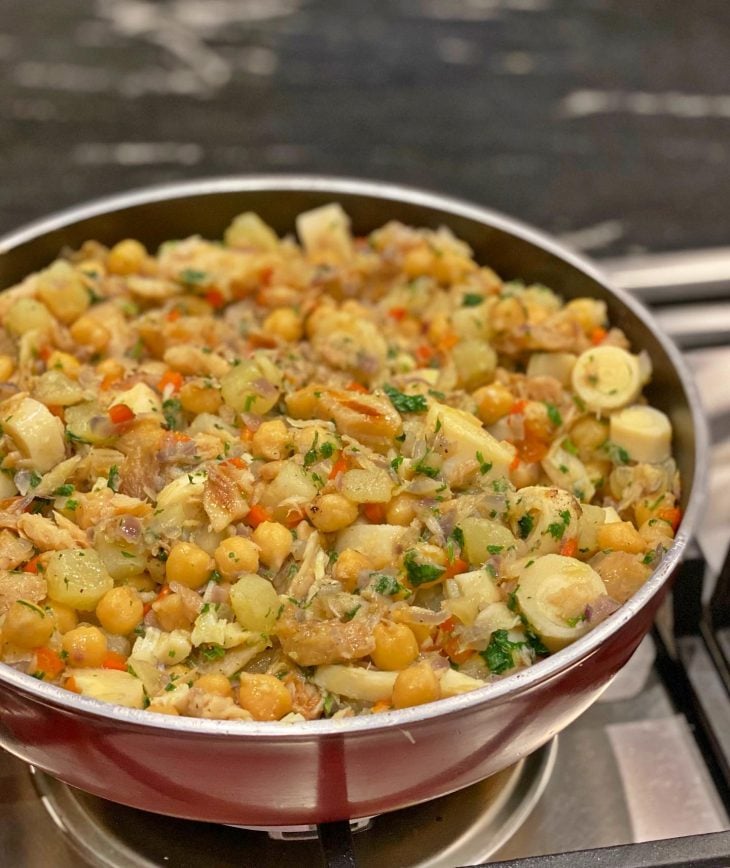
x=648, y=762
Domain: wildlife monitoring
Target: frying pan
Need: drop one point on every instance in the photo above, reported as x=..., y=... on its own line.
x=327, y=770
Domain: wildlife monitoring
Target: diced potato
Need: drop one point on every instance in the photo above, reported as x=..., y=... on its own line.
x=458, y=437
x=378, y=541
x=141, y=400
x=325, y=229
x=476, y=362
x=27, y=314
x=255, y=603
x=54, y=387
x=292, y=487
x=61, y=288
x=557, y=365
x=367, y=486
x=110, y=685
x=248, y=230
x=252, y=386
x=77, y=578
x=484, y=538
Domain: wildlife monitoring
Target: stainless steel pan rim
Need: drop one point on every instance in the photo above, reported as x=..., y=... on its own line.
x=493, y=693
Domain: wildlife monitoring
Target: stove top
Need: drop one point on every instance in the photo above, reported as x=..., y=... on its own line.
x=641, y=779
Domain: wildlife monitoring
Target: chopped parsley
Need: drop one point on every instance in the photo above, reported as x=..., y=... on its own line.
x=406, y=403
x=212, y=651
x=648, y=558
x=458, y=534
x=484, y=466
x=525, y=525
x=396, y=462
x=471, y=299
x=35, y=479
x=349, y=615
x=388, y=586
x=113, y=480
x=421, y=574
x=554, y=414
x=65, y=490
x=426, y=470
x=499, y=655
x=569, y=446
x=193, y=277
x=172, y=408
x=494, y=550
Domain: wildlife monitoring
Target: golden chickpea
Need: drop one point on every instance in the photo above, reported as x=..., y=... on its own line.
x=189, y=565
x=216, y=683
x=198, y=396
x=163, y=708
x=415, y=686
x=493, y=402
x=120, y=610
x=64, y=616
x=272, y=441
x=27, y=625
x=588, y=434
x=126, y=257
x=111, y=368
x=401, y=510
x=274, y=542
x=7, y=366
x=395, y=646
x=420, y=631
x=508, y=314
x=264, y=697
x=439, y=328
x=64, y=362
x=85, y=646
x=348, y=567
x=588, y=312
x=332, y=512
x=620, y=536
x=90, y=332
x=236, y=555
x=171, y=613
x=418, y=261
x=284, y=323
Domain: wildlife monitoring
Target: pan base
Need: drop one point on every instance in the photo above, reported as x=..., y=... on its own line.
x=463, y=828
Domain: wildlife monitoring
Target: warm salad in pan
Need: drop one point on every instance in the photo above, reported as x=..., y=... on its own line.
x=274, y=479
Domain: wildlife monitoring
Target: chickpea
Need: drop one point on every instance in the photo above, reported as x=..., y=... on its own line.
x=90, y=332
x=348, y=567
x=395, y=646
x=284, y=323
x=415, y=686
x=216, y=683
x=588, y=434
x=111, y=368
x=420, y=631
x=236, y=555
x=171, y=613
x=620, y=536
x=493, y=402
x=120, y=610
x=401, y=510
x=271, y=441
x=27, y=625
x=64, y=362
x=189, y=565
x=418, y=261
x=439, y=328
x=332, y=512
x=264, y=697
x=508, y=314
x=525, y=473
x=143, y=582
x=274, y=542
x=7, y=366
x=126, y=257
x=64, y=616
x=589, y=313
x=85, y=646
x=197, y=396
x=163, y=708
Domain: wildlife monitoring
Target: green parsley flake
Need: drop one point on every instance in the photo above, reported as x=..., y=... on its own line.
x=406, y=403
x=418, y=573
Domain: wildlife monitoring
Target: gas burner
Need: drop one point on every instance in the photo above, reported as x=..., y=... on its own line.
x=463, y=828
